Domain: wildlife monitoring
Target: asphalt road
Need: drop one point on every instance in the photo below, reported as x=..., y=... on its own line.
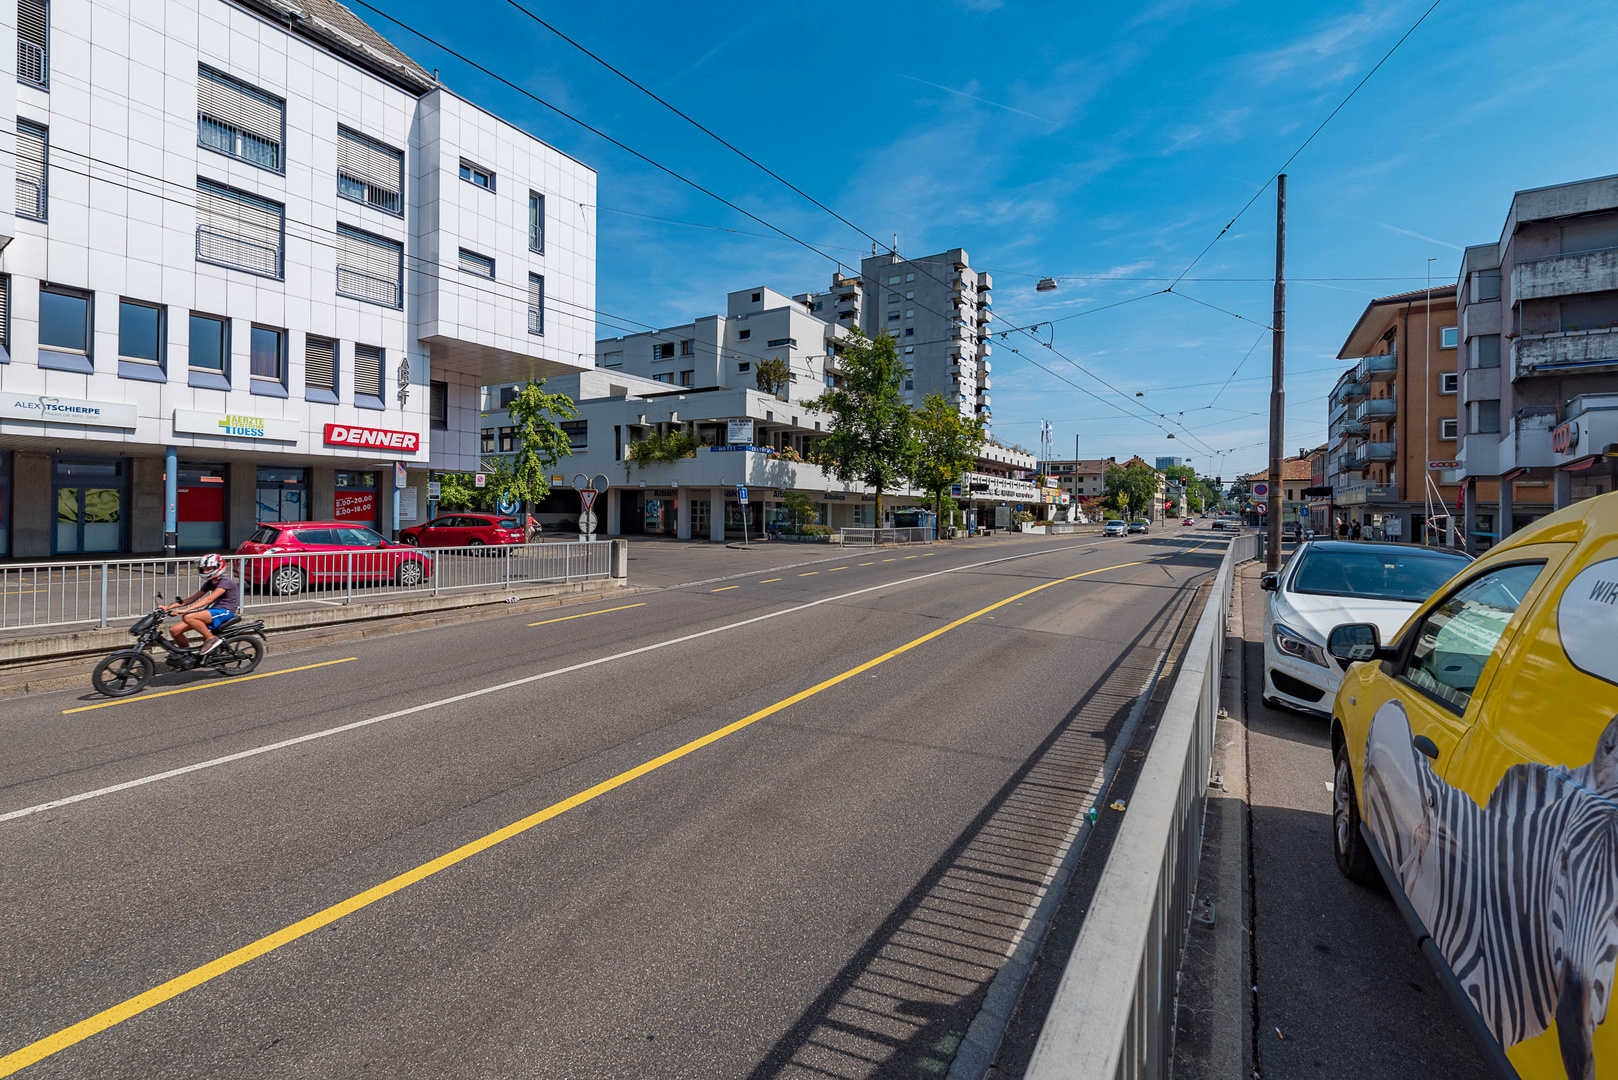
x=779, y=825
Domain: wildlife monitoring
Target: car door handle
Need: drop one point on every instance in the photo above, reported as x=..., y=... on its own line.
x=1425, y=745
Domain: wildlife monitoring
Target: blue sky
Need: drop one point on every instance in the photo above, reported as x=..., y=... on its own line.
x=1100, y=144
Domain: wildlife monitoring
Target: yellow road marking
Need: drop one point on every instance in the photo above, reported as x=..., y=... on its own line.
x=867, y=564
x=727, y=588
x=890, y=560
x=93, y=1025
x=767, y=580
x=811, y=573
x=929, y=554
x=834, y=569
x=912, y=556
x=587, y=614
x=205, y=686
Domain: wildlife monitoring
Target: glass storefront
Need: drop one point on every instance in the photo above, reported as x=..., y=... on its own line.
x=5, y=502
x=661, y=515
x=90, y=498
x=701, y=519
x=357, y=501
x=754, y=519
x=283, y=495
x=201, y=506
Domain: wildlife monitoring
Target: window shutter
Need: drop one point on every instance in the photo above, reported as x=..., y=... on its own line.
x=320, y=364
x=378, y=168
x=368, y=370
x=234, y=105
x=369, y=267
x=237, y=229
x=536, y=304
x=33, y=41
x=5, y=310
x=481, y=265
x=438, y=401
x=31, y=178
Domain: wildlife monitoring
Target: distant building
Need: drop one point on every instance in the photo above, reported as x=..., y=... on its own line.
x=1169, y=463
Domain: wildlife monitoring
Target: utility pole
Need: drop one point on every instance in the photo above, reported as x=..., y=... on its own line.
x=1278, y=394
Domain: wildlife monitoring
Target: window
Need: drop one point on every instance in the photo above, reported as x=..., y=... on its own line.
x=33, y=42
x=1453, y=643
x=1488, y=347
x=473, y=263
x=910, y=277
x=1449, y=429
x=140, y=332
x=536, y=221
x=32, y=148
x=910, y=384
x=64, y=320
x=508, y=439
x=1486, y=284
x=776, y=343
x=758, y=296
x=369, y=267
x=664, y=376
x=577, y=432
x=911, y=295
x=239, y=230
x=482, y=178
x=745, y=334
x=910, y=313
x=536, y=303
x=235, y=119
x=367, y=371
x=320, y=366
x=910, y=331
x=1449, y=382
x=1447, y=337
x=5, y=318
x=438, y=404
x=486, y=441
x=265, y=354
x=508, y=394
x=613, y=359
x=817, y=305
x=663, y=350
x=210, y=343
x=1488, y=417
x=909, y=349
x=1591, y=234
x=688, y=378
x=686, y=346
x=1589, y=314
x=894, y=280
x=893, y=316
x=744, y=366
x=370, y=172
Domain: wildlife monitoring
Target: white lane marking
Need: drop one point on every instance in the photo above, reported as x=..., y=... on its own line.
x=240, y=755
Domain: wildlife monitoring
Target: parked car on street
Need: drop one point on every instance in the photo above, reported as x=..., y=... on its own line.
x=464, y=530
x=1137, y=526
x=304, y=554
x=1114, y=527
x=1327, y=582
x=1476, y=770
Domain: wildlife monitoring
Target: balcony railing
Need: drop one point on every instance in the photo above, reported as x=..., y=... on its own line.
x=32, y=66
x=1376, y=368
x=1594, y=349
x=1379, y=451
x=1377, y=409
x=1350, y=391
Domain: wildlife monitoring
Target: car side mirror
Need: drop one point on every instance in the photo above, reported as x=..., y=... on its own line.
x=1353, y=642
x=1270, y=582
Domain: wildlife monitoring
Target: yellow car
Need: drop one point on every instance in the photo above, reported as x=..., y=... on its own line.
x=1476, y=768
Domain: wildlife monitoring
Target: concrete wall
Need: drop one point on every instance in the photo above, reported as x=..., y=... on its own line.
x=32, y=514
x=146, y=504
x=242, y=515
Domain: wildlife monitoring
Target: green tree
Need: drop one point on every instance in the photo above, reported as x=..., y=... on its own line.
x=1132, y=489
x=540, y=440
x=458, y=491
x=800, y=510
x=871, y=440
x=774, y=376
x=946, y=444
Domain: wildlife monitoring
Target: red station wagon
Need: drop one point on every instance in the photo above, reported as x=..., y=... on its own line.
x=304, y=554
x=464, y=530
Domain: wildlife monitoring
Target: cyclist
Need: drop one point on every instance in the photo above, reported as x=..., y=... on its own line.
x=216, y=602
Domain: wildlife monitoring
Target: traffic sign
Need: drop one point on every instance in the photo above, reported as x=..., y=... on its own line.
x=1260, y=490
x=741, y=495
x=480, y=480
x=506, y=504
x=588, y=498
x=1262, y=508
x=587, y=523
x=399, y=479
x=434, y=489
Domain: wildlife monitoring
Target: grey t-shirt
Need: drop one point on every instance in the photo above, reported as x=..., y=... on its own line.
x=232, y=599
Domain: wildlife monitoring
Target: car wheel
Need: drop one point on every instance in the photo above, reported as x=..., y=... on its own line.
x=409, y=540
x=287, y=581
x=1348, y=844
x=410, y=573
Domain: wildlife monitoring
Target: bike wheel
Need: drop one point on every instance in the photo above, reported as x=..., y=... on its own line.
x=238, y=655
x=122, y=674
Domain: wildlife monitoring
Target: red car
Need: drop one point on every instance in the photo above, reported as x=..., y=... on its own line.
x=1187, y=522
x=302, y=554
x=464, y=530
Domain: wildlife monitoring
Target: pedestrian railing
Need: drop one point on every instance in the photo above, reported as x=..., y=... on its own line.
x=1113, y=1015
x=106, y=592
x=877, y=537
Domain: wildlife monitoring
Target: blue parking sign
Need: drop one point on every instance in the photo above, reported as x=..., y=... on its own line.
x=506, y=504
x=741, y=495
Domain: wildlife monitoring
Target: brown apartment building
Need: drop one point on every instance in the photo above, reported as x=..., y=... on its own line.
x=1393, y=431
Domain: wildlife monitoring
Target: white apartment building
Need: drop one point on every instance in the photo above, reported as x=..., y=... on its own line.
x=257, y=257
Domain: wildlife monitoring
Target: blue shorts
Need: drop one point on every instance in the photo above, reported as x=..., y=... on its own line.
x=218, y=615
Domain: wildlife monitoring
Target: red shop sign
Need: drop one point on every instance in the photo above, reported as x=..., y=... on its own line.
x=378, y=438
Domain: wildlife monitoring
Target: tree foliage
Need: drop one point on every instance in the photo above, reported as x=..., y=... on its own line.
x=540, y=440
x=800, y=510
x=657, y=446
x=946, y=444
x=1130, y=489
x=871, y=440
x=774, y=376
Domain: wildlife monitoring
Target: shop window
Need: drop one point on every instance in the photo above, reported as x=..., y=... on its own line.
x=90, y=498
x=201, y=519
x=64, y=329
x=355, y=500
x=267, y=361
x=283, y=495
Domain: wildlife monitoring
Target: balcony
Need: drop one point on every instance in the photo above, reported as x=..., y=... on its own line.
x=985, y=282
x=987, y=367
x=1480, y=454
x=1378, y=409
x=1591, y=426
x=1376, y=368
x=984, y=383
x=1379, y=451
x=1350, y=391
x=1526, y=443
x=1480, y=317
x=986, y=316
x=1565, y=275
x=1350, y=427
x=1566, y=352
x=985, y=349
x=1480, y=384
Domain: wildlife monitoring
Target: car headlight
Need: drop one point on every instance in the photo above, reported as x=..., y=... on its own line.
x=1293, y=644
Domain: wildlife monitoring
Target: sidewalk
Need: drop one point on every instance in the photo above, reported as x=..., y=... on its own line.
x=1334, y=983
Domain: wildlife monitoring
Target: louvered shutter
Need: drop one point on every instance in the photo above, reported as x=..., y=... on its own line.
x=320, y=364
x=31, y=178
x=536, y=304
x=5, y=310
x=368, y=370
x=33, y=41
x=368, y=267
x=371, y=166
x=239, y=230
x=245, y=112
x=473, y=263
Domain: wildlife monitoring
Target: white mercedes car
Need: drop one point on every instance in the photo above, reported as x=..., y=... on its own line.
x=1327, y=583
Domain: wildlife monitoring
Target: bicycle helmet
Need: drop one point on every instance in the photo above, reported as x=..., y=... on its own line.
x=210, y=566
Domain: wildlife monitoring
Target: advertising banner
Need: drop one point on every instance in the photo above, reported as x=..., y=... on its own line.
x=739, y=432
x=372, y=438
x=60, y=410
x=358, y=506
x=234, y=426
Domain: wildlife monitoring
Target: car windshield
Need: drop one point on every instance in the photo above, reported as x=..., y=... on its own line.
x=1374, y=573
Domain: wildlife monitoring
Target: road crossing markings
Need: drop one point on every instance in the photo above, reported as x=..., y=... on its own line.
x=204, y=686
x=41, y=1049
x=767, y=580
x=587, y=614
x=727, y=588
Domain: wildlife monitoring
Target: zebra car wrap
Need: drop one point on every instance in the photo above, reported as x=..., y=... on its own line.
x=1482, y=747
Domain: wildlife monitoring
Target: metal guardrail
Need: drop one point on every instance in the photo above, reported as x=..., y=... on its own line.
x=877, y=537
x=102, y=593
x=1113, y=1015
